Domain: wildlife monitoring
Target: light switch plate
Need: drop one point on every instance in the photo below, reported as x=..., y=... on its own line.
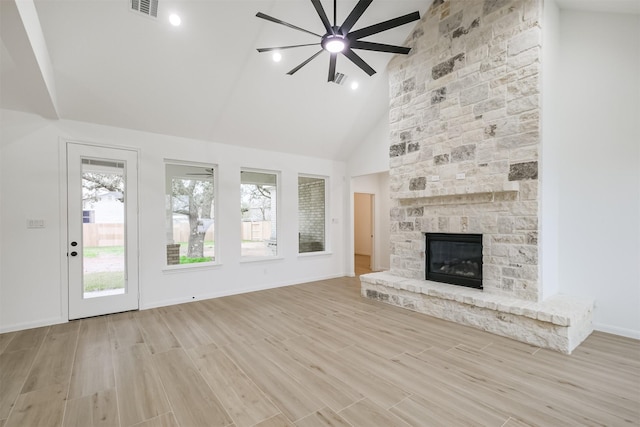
x=35, y=223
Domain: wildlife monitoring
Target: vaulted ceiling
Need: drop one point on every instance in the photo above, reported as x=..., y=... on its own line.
x=204, y=79
x=98, y=61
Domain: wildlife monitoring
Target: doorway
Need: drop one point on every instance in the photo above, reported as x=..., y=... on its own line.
x=363, y=238
x=102, y=230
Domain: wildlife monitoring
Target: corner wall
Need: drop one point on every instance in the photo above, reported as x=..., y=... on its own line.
x=599, y=165
x=549, y=152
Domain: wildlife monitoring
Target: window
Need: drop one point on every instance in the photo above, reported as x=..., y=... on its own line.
x=258, y=201
x=190, y=213
x=311, y=214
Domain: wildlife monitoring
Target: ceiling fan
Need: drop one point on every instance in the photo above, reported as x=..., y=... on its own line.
x=340, y=39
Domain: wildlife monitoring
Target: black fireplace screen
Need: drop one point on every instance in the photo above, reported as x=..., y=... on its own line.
x=454, y=259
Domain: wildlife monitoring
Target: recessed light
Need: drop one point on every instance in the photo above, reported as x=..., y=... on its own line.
x=354, y=85
x=175, y=20
x=277, y=57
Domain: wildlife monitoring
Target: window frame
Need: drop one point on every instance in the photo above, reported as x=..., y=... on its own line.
x=168, y=179
x=278, y=222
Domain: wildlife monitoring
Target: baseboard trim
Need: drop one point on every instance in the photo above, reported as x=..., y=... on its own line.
x=615, y=330
x=30, y=325
x=182, y=300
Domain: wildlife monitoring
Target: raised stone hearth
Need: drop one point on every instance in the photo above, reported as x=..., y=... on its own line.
x=559, y=323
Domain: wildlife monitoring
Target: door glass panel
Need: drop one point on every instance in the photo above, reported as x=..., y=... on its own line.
x=103, y=228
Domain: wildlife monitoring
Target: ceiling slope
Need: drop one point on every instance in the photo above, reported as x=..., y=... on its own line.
x=205, y=79
x=27, y=81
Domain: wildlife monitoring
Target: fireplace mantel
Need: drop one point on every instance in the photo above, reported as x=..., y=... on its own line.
x=482, y=193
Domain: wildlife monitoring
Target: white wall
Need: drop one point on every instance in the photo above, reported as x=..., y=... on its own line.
x=549, y=164
x=372, y=155
x=599, y=165
x=32, y=272
x=368, y=167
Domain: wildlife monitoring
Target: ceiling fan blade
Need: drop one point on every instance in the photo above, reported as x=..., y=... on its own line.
x=353, y=17
x=378, y=47
x=305, y=63
x=353, y=57
x=322, y=15
x=384, y=26
x=286, y=24
x=269, y=49
x=332, y=67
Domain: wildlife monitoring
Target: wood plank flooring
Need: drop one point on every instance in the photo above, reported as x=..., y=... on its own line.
x=310, y=355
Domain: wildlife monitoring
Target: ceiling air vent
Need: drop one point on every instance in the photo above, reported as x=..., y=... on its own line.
x=146, y=7
x=340, y=78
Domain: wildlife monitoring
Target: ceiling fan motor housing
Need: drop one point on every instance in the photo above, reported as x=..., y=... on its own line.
x=334, y=37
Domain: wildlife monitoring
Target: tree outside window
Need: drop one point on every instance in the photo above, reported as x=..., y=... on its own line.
x=190, y=211
x=258, y=200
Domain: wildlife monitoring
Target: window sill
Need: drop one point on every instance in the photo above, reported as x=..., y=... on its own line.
x=312, y=254
x=259, y=259
x=186, y=267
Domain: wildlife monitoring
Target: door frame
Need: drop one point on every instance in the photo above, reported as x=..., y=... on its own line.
x=64, y=226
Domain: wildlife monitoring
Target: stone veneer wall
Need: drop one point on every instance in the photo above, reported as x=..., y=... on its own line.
x=465, y=139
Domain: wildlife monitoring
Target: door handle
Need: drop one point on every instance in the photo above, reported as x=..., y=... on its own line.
x=74, y=253
x=74, y=243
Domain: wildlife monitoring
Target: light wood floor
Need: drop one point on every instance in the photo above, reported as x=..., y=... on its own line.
x=309, y=355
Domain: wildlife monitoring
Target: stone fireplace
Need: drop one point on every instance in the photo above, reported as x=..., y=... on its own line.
x=465, y=144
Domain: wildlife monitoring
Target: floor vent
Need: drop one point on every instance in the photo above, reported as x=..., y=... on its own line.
x=146, y=7
x=340, y=79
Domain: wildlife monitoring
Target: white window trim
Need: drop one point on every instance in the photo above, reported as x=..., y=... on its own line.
x=216, y=255
x=278, y=255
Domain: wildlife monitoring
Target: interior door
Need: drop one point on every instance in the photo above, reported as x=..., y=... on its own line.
x=102, y=241
x=363, y=226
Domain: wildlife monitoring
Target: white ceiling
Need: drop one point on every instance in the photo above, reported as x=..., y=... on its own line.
x=203, y=79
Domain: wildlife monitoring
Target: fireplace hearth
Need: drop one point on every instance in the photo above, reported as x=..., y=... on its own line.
x=454, y=258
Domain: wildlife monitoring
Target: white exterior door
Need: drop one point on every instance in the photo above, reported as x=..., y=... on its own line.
x=102, y=241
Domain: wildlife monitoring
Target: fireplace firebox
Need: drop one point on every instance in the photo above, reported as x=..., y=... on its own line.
x=454, y=258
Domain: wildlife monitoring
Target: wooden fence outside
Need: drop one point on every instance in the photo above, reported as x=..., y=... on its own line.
x=113, y=234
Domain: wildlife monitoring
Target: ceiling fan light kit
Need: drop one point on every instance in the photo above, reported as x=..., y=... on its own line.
x=341, y=40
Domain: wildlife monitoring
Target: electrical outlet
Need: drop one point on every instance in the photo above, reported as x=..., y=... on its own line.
x=461, y=175
x=435, y=178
